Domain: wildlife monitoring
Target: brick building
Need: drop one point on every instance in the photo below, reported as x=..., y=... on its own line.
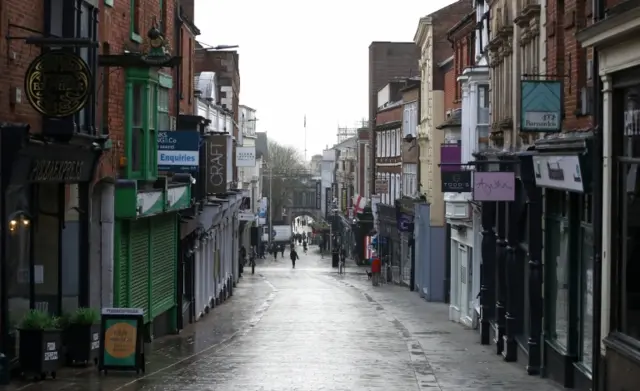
x=387, y=60
x=225, y=64
x=363, y=170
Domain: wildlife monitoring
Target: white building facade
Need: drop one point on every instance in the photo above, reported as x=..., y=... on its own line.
x=463, y=216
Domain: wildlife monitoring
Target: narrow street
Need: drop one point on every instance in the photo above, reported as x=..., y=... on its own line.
x=311, y=329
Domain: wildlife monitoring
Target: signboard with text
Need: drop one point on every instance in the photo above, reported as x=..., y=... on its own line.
x=318, y=195
x=245, y=156
x=122, y=345
x=216, y=160
x=494, y=186
x=541, y=107
x=178, y=151
x=456, y=181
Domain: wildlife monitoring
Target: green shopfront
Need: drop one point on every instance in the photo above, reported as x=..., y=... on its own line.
x=146, y=252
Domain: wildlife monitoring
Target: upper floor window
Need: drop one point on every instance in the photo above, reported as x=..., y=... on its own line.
x=483, y=104
x=410, y=119
x=135, y=23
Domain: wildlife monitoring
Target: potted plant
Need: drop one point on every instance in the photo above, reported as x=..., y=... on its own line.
x=40, y=342
x=82, y=336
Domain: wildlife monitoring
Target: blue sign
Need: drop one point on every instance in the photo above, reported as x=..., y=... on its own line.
x=541, y=105
x=178, y=151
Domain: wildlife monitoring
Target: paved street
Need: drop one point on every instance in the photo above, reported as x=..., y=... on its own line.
x=310, y=329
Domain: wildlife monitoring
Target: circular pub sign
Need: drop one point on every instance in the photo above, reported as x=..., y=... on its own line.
x=58, y=83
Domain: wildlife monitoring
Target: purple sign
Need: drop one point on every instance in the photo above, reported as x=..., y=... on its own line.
x=494, y=186
x=450, y=153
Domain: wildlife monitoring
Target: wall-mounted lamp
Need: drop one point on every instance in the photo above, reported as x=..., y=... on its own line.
x=19, y=219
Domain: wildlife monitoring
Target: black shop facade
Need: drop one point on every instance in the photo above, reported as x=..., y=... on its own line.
x=44, y=206
x=539, y=228
x=47, y=175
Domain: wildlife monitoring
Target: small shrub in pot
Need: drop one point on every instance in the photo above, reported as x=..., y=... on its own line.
x=40, y=343
x=82, y=336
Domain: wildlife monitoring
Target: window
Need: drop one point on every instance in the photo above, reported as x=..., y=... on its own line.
x=135, y=23
x=557, y=266
x=410, y=119
x=163, y=109
x=409, y=179
x=398, y=187
x=137, y=128
x=629, y=216
x=586, y=283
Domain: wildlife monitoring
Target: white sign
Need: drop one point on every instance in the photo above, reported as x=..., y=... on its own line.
x=558, y=172
x=122, y=311
x=244, y=216
x=245, y=156
x=542, y=120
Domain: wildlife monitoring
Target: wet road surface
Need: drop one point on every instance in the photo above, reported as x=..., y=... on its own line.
x=310, y=329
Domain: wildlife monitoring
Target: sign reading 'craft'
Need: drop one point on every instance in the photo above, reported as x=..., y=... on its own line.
x=56, y=171
x=58, y=84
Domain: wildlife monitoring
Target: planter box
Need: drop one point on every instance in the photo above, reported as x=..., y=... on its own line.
x=40, y=352
x=82, y=344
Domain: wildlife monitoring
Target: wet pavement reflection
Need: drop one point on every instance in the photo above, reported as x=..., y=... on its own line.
x=309, y=329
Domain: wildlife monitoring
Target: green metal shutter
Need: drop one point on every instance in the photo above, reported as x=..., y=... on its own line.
x=122, y=279
x=163, y=264
x=140, y=266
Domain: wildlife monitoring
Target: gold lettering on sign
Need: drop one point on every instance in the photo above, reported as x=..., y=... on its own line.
x=56, y=171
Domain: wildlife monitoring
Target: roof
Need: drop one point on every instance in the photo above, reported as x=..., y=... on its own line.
x=455, y=121
x=463, y=22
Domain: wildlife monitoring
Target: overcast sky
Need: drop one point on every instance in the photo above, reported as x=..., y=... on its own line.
x=307, y=57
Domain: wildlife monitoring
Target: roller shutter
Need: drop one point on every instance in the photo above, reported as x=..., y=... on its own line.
x=163, y=263
x=140, y=265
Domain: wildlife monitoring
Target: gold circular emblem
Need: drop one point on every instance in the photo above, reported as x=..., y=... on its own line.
x=58, y=84
x=120, y=340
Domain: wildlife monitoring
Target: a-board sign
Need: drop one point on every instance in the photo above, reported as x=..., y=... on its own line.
x=122, y=346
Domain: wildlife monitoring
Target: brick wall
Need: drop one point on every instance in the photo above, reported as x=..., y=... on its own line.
x=451, y=98
x=28, y=14
x=363, y=137
x=462, y=38
x=442, y=21
x=187, y=38
x=114, y=39
x=388, y=60
x=565, y=56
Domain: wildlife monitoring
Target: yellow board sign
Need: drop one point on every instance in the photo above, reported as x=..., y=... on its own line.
x=120, y=342
x=58, y=83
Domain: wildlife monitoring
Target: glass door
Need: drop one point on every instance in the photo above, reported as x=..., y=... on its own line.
x=465, y=283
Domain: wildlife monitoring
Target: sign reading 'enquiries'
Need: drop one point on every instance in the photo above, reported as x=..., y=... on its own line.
x=216, y=159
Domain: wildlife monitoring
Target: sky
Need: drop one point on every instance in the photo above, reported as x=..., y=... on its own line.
x=307, y=58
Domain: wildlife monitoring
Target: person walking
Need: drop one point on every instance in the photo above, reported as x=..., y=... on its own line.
x=282, y=250
x=376, y=270
x=294, y=256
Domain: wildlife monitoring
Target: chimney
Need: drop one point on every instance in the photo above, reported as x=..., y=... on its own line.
x=188, y=9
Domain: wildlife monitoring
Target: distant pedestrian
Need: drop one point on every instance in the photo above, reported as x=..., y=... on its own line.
x=282, y=250
x=294, y=256
x=376, y=270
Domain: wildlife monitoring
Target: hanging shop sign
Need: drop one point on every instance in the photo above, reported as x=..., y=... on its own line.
x=216, y=159
x=122, y=346
x=318, y=194
x=558, y=172
x=178, y=151
x=541, y=105
x=456, y=181
x=450, y=157
x=245, y=156
x=494, y=186
x=58, y=83
x=381, y=186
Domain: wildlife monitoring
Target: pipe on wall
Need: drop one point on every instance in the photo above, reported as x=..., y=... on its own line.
x=597, y=375
x=107, y=217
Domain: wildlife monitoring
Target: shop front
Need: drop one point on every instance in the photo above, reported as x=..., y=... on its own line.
x=405, y=216
x=617, y=335
x=561, y=167
x=46, y=217
x=146, y=245
x=389, y=241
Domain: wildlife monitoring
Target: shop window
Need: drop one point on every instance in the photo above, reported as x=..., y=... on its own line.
x=557, y=267
x=137, y=129
x=629, y=215
x=586, y=283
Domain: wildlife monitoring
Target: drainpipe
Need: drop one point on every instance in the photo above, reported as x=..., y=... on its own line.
x=107, y=213
x=178, y=82
x=598, y=14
